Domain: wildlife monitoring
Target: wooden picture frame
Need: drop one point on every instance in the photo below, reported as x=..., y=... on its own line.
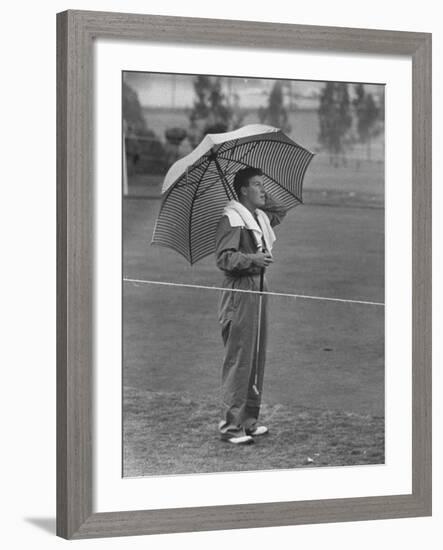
x=76, y=32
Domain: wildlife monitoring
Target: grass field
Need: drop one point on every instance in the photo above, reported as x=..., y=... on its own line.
x=299, y=437
x=324, y=381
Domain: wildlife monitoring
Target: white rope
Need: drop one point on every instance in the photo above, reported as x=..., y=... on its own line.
x=140, y=281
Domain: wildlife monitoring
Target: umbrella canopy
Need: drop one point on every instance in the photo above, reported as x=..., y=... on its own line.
x=198, y=186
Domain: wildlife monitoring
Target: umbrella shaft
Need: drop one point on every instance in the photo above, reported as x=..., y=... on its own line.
x=257, y=350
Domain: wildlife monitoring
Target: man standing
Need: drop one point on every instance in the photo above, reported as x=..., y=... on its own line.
x=244, y=241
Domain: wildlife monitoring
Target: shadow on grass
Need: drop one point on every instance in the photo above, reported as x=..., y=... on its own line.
x=170, y=433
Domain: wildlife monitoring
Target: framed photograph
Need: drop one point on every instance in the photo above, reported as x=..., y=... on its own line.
x=244, y=274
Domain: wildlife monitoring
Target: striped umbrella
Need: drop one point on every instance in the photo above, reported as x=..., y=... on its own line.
x=198, y=186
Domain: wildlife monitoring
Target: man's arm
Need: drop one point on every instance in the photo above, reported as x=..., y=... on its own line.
x=229, y=258
x=274, y=210
x=227, y=253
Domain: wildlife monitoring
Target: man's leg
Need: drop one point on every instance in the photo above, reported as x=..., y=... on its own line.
x=238, y=337
x=253, y=403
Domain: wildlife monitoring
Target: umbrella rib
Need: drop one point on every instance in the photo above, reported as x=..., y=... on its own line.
x=235, y=144
x=279, y=142
x=190, y=171
x=224, y=180
x=191, y=209
x=169, y=246
x=232, y=149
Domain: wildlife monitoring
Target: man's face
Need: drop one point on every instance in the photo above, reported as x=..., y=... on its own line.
x=255, y=192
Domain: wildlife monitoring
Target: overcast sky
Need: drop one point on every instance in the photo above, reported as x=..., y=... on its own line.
x=166, y=90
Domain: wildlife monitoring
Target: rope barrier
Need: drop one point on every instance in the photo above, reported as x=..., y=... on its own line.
x=362, y=302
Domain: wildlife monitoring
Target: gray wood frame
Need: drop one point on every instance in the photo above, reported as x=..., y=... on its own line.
x=76, y=31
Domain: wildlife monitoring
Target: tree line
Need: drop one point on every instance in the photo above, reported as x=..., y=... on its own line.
x=344, y=122
x=346, y=116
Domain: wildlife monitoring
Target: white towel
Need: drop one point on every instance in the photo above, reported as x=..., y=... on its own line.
x=240, y=216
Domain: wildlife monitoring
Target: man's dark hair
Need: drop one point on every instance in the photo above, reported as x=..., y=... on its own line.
x=242, y=177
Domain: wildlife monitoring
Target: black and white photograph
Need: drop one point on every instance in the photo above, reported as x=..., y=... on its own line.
x=222, y=305
x=253, y=274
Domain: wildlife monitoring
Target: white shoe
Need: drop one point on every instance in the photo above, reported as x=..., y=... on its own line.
x=259, y=430
x=241, y=440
